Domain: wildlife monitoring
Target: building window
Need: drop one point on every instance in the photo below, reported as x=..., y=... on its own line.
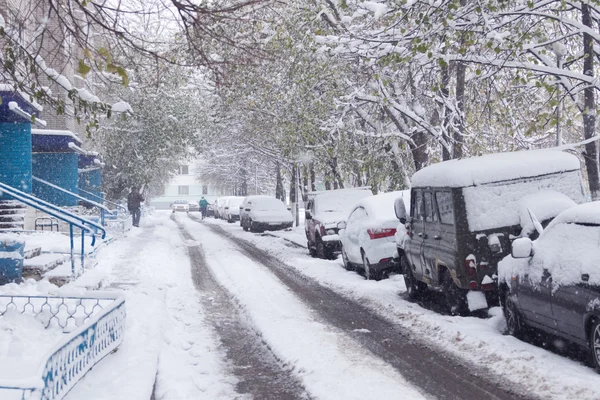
x=204, y=189
x=184, y=170
x=184, y=189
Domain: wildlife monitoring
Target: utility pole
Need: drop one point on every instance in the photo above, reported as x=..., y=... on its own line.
x=558, y=132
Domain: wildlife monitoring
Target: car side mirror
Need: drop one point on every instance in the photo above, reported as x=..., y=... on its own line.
x=247, y=209
x=522, y=248
x=400, y=210
x=307, y=215
x=341, y=225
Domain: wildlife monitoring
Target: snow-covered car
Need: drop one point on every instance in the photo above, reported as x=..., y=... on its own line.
x=463, y=214
x=323, y=213
x=401, y=210
x=193, y=206
x=260, y=213
x=368, y=236
x=232, y=208
x=220, y=207
x=553, y=283
x=180, y=206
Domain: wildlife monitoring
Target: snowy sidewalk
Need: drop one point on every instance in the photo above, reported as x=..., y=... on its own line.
x=166, y=335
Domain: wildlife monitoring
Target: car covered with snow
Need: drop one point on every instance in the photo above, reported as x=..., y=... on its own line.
x=323, y=212
x=180, y=206
x=464, y=213
x=553, y=283
x=261, y=213
x=231, y=209
x=219, y=206
x=368, y=236
x=193, y=206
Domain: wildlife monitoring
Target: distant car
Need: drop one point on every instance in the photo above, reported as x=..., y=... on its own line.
x=220, y=207
x=193, y=206
x=368, y=236
x=232, y=208
x=260, y=213
x=210, y=210
x=323, y=213
x=180, y=206
x=553, y=283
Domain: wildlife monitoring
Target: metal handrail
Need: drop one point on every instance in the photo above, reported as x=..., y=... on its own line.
x=104, y=200
x=102, y=208
x=61, y=214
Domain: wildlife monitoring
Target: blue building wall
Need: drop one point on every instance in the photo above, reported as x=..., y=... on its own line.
x=15, y=155
x=59, y=169
x=90, y=181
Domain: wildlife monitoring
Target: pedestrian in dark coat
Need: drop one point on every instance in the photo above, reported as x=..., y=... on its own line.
x=134, y=205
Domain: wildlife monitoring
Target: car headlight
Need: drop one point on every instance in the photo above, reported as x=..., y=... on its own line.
x=330, y=232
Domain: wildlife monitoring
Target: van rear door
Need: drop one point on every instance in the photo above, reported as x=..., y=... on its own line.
x=414, y=246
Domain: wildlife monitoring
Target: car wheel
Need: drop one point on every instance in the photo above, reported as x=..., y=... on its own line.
x=414, y=288
x=595, y=343
x=514, y=326
x=311, y=250
x=370, y=273
x=321, y=250
x=347, y=264
x=455, y=297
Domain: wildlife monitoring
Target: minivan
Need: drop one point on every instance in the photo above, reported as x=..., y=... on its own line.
x=465, y=213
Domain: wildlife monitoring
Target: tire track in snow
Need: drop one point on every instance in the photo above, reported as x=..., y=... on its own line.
x=330, y=363
x=435, y=373
x=260, y=373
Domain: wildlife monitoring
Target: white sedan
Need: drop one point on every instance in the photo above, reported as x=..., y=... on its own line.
x=262, y=213
x=368, y=236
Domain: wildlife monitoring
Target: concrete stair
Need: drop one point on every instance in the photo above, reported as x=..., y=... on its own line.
x=38, y=266
x=12, y=215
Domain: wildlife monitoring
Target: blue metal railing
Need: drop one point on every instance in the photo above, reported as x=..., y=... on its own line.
x=102, y=208
x=72, y=219
x=97, y=324
x=116, y=205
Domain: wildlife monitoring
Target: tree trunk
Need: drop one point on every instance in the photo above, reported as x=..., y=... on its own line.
x=447, y=112
x=304, y=183
x=461, y=69
x=293, y=185
x=244, y=188
x=313, y=183
x=279, y=191
x=589, y=111
x=419, y=150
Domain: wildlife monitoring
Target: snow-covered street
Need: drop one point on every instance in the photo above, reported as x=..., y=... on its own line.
x=215, y=312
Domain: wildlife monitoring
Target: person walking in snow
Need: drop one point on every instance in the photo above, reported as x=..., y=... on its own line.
x=134, y=205
x=203, y=206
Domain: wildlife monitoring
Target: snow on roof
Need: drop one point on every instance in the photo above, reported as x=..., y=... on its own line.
x=494, y=168
x=381, y=206
x=14, y=107
x=55, y=132
x=587, y=213
x=81, y=151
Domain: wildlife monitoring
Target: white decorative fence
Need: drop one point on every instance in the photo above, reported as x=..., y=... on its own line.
x=96, y=326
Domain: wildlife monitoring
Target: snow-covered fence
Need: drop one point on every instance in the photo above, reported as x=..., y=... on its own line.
x=119, y=225
x=93, y=325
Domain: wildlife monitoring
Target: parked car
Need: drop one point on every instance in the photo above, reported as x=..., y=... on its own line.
x=464, y=212
x=220, y=207
x=260, y=213
x=553, y=283
x=368, y=237
x=210, y=210
x=193, y=206
x=232, y=208
x=180, y=206
x=324, y=211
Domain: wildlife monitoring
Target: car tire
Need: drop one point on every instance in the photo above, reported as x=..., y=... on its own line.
x=456, y=299
x=370, y=274
x=414, y=288
x=348, y=266
x=321, y=249
x=514, y=326
x=595, y=343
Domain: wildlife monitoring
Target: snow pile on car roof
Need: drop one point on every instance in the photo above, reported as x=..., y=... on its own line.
x=381, y=206
x=588, y=213
x=494, y=168
x=339, y=200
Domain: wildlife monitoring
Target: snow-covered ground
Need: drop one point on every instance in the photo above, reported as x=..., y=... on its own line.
x=477, y=341
x=168, y=333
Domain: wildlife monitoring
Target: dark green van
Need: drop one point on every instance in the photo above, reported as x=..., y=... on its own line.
x=465, y=213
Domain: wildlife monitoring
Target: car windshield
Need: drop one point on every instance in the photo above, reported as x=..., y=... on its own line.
x=236, y=202
x=339, y=201
x=268, y=205
x=181, y=202
x=567, y=251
